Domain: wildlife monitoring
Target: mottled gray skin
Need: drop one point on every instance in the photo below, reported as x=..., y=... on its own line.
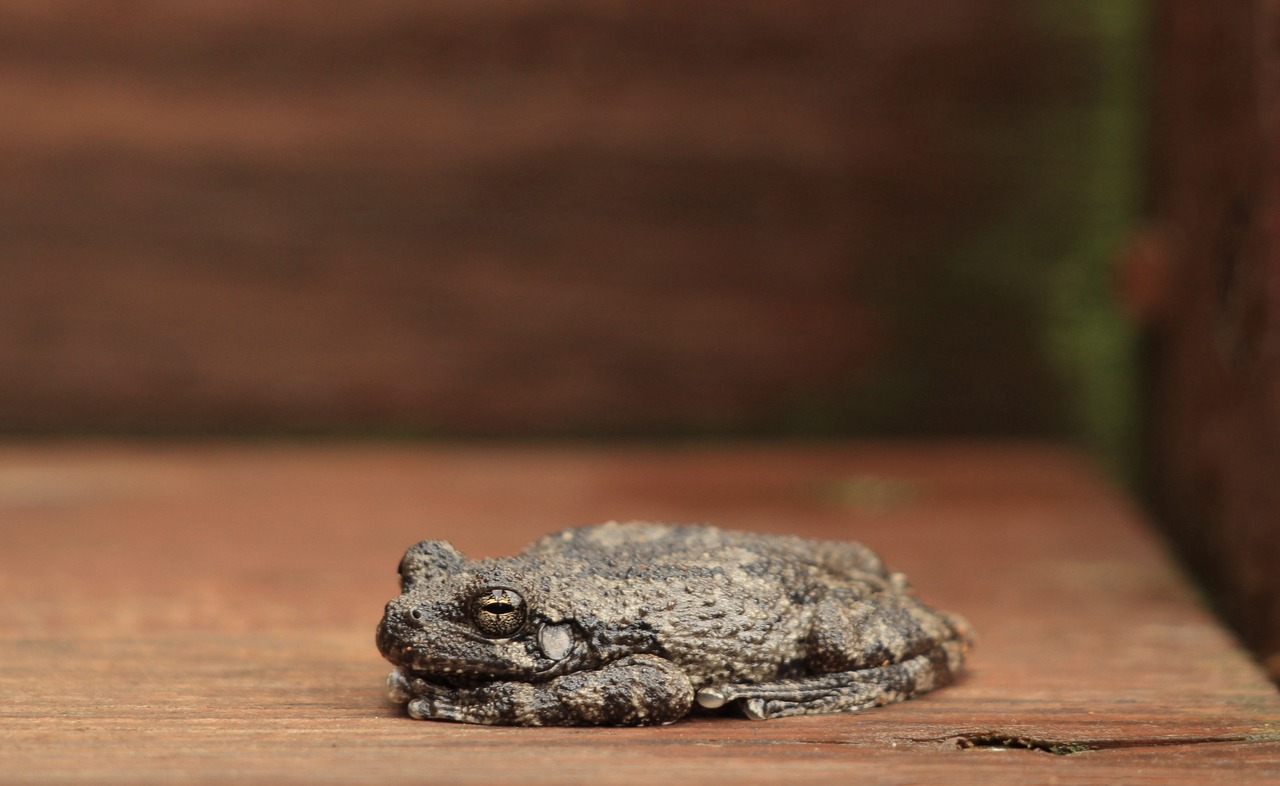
x=631, y=624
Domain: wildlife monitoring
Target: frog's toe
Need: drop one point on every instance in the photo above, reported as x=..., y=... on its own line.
x=711, y=698
x=419, y=709
x=754, y=709
x=397, y=687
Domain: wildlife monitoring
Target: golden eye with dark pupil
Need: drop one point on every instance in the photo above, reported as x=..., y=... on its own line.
x=498, y=612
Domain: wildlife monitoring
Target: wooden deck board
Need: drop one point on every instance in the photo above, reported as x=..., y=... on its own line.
x=205, y=613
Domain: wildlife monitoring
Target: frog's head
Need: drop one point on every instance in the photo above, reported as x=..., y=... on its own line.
x=460, y=622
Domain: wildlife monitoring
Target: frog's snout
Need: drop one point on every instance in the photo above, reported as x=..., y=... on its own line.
x=398, y=615
x=396, y=625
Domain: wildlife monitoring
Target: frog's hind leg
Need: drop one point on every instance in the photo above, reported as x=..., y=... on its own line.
x=847, y=559
x=848, y=691
x=860, y=653
x=850, y=631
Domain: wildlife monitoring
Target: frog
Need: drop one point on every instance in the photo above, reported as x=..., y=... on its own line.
x=645, y=623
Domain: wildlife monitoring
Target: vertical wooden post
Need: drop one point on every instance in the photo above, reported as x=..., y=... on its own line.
x=1214, y=319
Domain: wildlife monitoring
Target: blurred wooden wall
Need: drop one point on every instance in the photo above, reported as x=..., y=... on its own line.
x=497, y=217
x=1208, y=275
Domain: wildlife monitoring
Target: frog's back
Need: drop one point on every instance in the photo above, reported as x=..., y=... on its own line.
x=638, y=539
x=623, y=548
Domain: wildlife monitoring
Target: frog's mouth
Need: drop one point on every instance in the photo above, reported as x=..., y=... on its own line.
x=451, y=681
x=470, y=660
x=419, y=663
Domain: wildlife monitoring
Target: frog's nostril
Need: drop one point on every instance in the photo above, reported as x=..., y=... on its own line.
x=414, y=617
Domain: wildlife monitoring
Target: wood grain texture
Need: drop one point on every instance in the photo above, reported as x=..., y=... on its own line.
x=206, y=613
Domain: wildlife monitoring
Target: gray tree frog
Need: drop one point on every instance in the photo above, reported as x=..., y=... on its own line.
x=633, y=624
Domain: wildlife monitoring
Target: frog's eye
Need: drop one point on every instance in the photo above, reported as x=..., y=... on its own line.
x=499, y=612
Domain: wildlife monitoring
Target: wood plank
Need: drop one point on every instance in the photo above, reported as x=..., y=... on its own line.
x=206, y=612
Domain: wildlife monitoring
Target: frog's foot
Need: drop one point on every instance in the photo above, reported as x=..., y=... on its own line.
x=497, y=703
x=847, y=691
x=402, y=686
x=422, y=699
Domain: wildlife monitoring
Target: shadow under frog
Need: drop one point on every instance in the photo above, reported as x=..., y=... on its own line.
x=633, y=624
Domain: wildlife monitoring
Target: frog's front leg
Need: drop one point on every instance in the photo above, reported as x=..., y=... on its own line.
x=861, y=654
x=639, y=690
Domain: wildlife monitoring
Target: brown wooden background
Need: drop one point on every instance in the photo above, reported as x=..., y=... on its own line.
x=496, y=217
